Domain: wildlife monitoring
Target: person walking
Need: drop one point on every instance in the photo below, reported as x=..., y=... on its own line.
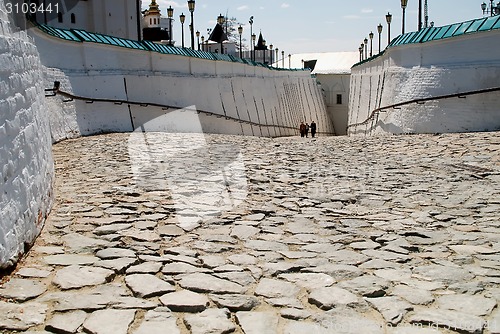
x=313, y=129
x=302, y=129
x=307, y=130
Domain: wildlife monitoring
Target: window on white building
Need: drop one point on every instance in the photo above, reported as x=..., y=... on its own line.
x=73, y=18
x=339, y=98
x=59, y=17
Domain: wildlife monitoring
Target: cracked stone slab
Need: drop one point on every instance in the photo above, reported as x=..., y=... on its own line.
x=210, y=321
x=113, y=253
x=74, y=277
x=393, y=309
x=67, y=322
x=235, y=302
x=21, y=289
x=109, y=321
x=470, y=304
x=22, y=316
x=453, y=320
x=33, y=272
x=258, y=322
x=70, y=259
x=200, y=282
x=158, y=321
x=330, y=297
x=185, y=301
x=146, y=286
x=273, y=288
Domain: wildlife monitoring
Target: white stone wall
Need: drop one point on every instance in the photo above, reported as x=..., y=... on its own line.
x=405, y=73
x=25, y=145
x=235, y=90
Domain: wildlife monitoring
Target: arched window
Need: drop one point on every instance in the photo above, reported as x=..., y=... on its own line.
x=73, y=18
x=59, y=17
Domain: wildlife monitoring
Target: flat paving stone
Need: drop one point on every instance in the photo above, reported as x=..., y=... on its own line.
x=74, y=277
x=109, y=321
x=258, y=322
x=210, y=321
x=158, y=321
x=21, y=316
x=185, y=301
x=207, y=283
x=147, y=285
x=21, y=289
x=67, y=322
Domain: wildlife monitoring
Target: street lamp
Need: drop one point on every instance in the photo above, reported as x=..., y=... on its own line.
x=366, y=48
x=283, y=59
x=198, y=39
x=379, y=29
x=371, y=43
x=264, y=45
x=202, y=43
x=419, y=15
x=253, y=43
x=362, y=47
x=277, y=57
x=191, y=5
x=182, y=18
x=170, y=12
x=494, y=10
x=251, y=34
x=404, y=3
x=388, y=18
x=361, y=52
x=240, y=31
x=289, y=61
x=271, y=54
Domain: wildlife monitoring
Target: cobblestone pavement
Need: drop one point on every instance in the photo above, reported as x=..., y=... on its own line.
x=162, y=233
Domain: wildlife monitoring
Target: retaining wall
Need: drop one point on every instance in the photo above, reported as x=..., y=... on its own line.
x=245, y=99
x=442, y=67
x=25, y=145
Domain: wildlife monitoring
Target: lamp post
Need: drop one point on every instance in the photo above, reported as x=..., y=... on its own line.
x=361, y=52
x=198, y=39
x=251, y=35
x=253, y=43
x=170, y=12
x=220, y=21
x=379, y=29
x=289, y=61
x=277, y=57
x=240, y=32
x=388, y=18
x=283, y=59
x=202, y=43
x=264, y=45
x=419, y=15
x=371, y=43
x=182, y=18
x=494, y=10
x=271, y=54
x=362, y=47
x=366, y=48
x=404, y=3
x=191, y=5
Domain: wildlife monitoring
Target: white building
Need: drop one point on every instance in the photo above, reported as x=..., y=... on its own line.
x=333, y=71
x=110, y=17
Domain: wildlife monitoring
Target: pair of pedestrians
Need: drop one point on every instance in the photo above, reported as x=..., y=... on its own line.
x=304, y=129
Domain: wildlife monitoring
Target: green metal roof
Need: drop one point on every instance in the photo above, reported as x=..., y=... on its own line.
x=437, y=33
x=452, y=30
x=78, y=35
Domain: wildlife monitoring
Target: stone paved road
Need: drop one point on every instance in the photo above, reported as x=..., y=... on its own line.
x=165, y=233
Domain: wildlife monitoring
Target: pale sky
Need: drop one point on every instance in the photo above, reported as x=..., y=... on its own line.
x=297, y=26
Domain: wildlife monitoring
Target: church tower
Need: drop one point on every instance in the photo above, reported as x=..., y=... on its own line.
x=152, y=16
